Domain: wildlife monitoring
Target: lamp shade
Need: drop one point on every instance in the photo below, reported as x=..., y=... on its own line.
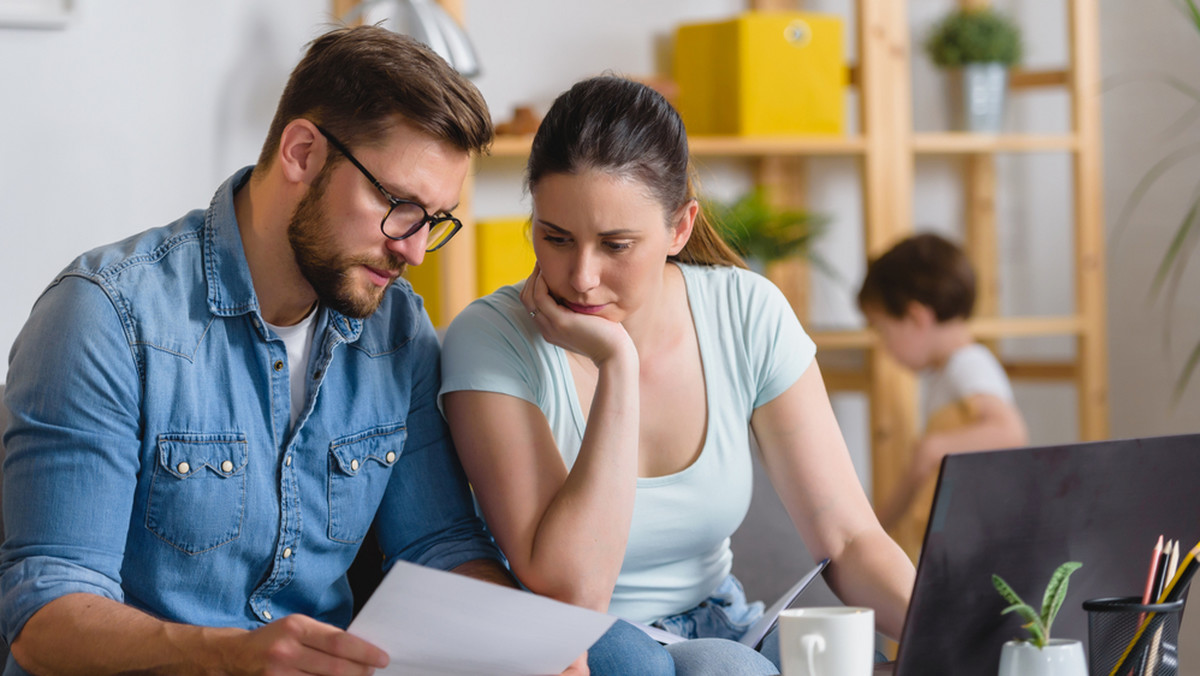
x=428, y=22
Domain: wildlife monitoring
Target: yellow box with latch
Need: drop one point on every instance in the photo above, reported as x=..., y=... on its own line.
x=762, y=73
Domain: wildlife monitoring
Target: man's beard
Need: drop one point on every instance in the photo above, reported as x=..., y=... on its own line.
x=325, y=270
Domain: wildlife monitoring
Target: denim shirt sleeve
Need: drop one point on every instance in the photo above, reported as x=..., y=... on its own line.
x=72, y=452
x=427, y=515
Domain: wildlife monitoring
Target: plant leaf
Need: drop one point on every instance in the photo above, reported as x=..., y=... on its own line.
x=1056, y=592
x=1193, y=12
x=1188, y=369
x=1006, y=591
x=1147, y=181
x=1173, y=250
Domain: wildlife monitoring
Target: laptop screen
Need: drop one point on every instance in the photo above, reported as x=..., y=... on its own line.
x=1019, y=514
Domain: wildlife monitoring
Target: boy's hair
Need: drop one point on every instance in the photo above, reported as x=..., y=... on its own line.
x=356, y=81
x=924, y=268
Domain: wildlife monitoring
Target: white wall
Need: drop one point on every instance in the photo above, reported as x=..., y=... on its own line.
x=128, y=118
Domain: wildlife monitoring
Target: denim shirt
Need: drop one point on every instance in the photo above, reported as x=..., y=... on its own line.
x=151, y=458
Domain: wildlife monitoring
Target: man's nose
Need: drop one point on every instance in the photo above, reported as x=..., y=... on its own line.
x=411, y=249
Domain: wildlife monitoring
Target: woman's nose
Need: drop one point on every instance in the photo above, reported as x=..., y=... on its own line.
x=585, y=273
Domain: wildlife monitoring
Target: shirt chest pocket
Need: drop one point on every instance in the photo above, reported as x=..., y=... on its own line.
x=359, y=468
x=198, y=493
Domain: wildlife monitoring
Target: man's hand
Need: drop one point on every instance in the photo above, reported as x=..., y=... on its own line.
x=578, y=668
x=297, y=644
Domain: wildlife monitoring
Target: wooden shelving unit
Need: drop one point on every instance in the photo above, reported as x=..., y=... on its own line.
x=885, y=149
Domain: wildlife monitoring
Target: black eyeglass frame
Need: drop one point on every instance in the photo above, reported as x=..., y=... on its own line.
x=393, y=201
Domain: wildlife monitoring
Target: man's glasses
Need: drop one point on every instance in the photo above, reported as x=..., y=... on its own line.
x=404, y=218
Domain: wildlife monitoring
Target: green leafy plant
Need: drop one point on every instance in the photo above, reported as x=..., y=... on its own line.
x=1038, y=623
x=758, y=230
x=1186, y=236
x=974, y=36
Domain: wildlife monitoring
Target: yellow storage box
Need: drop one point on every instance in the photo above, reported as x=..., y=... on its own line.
x=762, y=73
x=503, y=255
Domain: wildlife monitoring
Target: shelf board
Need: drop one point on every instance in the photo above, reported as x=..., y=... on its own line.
x=751, y=146
x=945, y=143
x=989, y=328
x=724, y=146
x=949, y=143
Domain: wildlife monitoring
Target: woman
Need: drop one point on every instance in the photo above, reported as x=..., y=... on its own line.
x=601, y=408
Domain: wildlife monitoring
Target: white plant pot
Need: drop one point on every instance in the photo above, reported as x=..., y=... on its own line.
x=977, y=94
x=1061, y=657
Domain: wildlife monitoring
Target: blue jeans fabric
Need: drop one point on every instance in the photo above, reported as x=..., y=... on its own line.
x=625, y=650
x=714, y=628
x=151, y=454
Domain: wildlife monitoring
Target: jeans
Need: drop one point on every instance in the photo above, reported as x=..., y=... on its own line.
x=713, y=629
x=624, y=650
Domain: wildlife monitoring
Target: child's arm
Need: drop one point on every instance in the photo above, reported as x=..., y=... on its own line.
x=995, y=423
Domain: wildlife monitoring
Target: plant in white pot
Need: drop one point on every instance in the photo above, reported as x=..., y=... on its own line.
x=1040, y=655
x=978, y=46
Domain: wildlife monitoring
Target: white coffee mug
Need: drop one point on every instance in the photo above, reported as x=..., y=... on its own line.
x=833, y=641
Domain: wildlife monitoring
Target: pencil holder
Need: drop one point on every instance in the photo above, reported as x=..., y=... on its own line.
x=1116, y=636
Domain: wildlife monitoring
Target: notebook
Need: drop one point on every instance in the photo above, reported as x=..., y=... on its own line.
x=1019, y=514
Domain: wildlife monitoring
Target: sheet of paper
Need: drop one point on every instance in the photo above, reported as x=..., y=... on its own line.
x=438, y=623
x=757, y=631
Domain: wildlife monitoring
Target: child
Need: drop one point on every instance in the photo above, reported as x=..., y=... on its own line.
x=918, y=297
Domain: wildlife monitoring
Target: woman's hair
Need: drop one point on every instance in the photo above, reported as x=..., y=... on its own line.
x=354, y=82
x=626, y=129
x=923, y=268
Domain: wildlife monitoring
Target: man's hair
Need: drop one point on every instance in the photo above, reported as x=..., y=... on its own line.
x=924, y=268
x=355, y=81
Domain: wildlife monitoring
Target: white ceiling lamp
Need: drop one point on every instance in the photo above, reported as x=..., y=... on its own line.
x=429, y=23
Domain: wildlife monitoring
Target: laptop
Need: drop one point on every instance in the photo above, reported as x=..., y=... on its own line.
x=1019, y=514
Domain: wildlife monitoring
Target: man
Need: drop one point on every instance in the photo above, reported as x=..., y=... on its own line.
x=208, y=417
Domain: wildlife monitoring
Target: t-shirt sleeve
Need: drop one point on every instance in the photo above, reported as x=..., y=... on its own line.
x=976, y=371
x=488, y=349
x=780, y=350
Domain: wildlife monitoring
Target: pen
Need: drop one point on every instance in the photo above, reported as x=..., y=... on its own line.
x=1174, y=590
x=1153, y=656
x=1152, y=578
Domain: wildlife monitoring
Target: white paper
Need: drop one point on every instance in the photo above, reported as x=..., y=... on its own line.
x=759, y=629
x=443, y=624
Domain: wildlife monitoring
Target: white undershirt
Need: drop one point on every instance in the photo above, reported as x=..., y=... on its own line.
x=297, y=338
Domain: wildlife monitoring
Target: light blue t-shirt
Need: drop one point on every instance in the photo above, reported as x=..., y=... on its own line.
x=752, y=348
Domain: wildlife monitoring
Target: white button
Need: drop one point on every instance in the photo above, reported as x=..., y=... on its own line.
x=267, y=614
x=391, y=456
x=354, y=465
x=287, y=552
x=227, y=466
x=288, y=461
x=183, y=468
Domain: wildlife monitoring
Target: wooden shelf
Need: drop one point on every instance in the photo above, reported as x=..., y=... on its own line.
x=986, y=328
x=726, y=146
x=950, y=143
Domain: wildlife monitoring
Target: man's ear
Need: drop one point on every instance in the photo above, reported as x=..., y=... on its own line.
x=302, y=151
x=681, y=230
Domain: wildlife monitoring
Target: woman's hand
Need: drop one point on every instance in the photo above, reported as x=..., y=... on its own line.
x=594, y=337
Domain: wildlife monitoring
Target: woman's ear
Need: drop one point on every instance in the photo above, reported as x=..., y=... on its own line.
x=681, y=229
x=302, y=151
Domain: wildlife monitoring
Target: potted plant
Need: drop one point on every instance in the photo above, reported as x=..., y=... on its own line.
x=1183, y=245
x=979, y=46
x=1040, y=655
x=762, y=233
